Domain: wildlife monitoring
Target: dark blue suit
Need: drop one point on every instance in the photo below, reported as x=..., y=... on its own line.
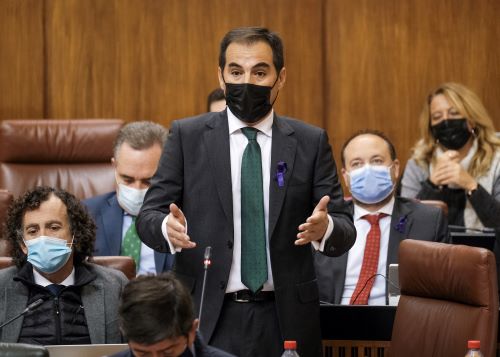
x=108, y=216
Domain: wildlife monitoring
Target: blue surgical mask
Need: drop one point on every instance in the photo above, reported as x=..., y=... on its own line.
x=130, y=199
x=371, y=184
x=48, y=254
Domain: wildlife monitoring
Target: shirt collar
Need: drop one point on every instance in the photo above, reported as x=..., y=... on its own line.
x=265, y=126
x=387, y=209
x=43, y=281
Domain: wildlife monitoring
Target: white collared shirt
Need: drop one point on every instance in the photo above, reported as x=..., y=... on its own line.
x=237, y=145
x=43, y=281
x=356, y=253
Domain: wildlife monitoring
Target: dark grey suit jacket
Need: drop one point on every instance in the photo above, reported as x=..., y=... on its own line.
x=195, y=173
x=99, y=297
x=410, y=219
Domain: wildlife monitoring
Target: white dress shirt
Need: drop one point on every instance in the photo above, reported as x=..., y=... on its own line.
x=356, y=253
x=43, y=281
x=237, y=144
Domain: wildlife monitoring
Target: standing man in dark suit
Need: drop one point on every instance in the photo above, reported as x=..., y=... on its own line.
x=137, y=151
x=370, y=170
x=258, y=188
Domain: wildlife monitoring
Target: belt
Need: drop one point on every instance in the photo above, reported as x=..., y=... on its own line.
x=248, y=296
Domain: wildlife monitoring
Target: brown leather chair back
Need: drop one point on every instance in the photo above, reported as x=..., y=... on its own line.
x=124, y=264
x=71, y=154
x=449, y=295
x=5, y=201
x=438, y=204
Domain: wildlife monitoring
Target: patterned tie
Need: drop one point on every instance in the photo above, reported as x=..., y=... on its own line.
x=370, y=261
x=55, y=289
x=253, y=230
x=131, y=244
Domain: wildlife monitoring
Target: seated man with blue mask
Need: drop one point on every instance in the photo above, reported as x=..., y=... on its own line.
x=382, y=220
x=137, y=151
x=52, y=235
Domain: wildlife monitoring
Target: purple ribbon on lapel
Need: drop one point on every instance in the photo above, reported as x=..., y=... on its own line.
x=401, y=225
x=280, y=173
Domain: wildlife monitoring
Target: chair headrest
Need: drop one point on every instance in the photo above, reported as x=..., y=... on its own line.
x=449, y=272
x=58, y=140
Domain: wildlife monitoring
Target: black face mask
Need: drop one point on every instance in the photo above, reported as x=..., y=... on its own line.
x=453, y=134
x=249, y=102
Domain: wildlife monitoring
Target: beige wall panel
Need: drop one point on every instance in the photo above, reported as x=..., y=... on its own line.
x=21, y=59
x=157, y=60
x=383, y=57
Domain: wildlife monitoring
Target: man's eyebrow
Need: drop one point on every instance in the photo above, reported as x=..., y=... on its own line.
x=233, y=64
x=262, y=64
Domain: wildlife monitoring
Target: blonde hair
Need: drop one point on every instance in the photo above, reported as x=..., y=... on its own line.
x=469, y=105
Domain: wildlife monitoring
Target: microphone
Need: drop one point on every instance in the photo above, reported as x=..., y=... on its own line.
x=366, y=283
x=455, y=228
x=29, y=308
x=206, y=264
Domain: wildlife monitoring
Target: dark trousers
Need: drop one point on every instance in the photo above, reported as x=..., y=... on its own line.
x=249, y=329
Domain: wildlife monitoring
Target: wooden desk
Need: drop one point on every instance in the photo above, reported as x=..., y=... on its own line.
x=356, y=330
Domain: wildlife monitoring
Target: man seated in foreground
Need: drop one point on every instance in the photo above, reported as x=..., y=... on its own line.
x=382, y=220
x=157, y=318
x=52, y=236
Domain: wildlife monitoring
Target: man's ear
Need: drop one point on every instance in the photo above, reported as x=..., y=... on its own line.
x=345, y=176
x=113, y=162
x=221, y=80
x=192, y=332
x=395, y=169
x=282, y=78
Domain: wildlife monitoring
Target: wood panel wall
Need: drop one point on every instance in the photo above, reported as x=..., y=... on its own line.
x=351, y=64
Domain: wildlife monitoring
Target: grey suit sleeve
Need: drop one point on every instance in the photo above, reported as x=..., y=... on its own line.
x=327, y=182
x=442, y=233
x=487, y=206
x=166, y=188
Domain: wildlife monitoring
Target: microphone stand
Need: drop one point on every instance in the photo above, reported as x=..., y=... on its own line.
x=29, y=308
x=206, y=264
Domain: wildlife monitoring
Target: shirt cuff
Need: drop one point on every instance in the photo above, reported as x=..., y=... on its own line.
x=173, y=250
x=321, y=245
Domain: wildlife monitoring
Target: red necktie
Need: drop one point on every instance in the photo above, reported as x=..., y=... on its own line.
x=370, y=261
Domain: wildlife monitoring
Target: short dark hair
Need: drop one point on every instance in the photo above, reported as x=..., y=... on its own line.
x=378, y=133
x=214, y=96
x=82, y=226
x=155, y=308
x=141, y=135
x=251, y=35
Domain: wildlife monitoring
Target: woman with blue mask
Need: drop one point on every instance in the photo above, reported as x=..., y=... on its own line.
x=52, y=236
x=457, y=158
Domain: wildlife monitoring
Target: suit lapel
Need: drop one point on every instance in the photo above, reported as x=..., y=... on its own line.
x=16, y=301
x=93, y=302
x=112, y=217
x=401, y=222
x=216, y=141
x=283, y=149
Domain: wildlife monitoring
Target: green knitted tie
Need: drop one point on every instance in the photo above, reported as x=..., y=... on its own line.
x=253, y=230
x=131, y=245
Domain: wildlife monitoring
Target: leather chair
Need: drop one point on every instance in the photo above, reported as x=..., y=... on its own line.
x=124, y=264
x=438, y=204
x=449, y=295
x=5, y=201
x=22, y=350
x=74, y=155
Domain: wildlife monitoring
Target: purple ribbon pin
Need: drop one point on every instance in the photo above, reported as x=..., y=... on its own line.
x=280, y=173
x=401, y=225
